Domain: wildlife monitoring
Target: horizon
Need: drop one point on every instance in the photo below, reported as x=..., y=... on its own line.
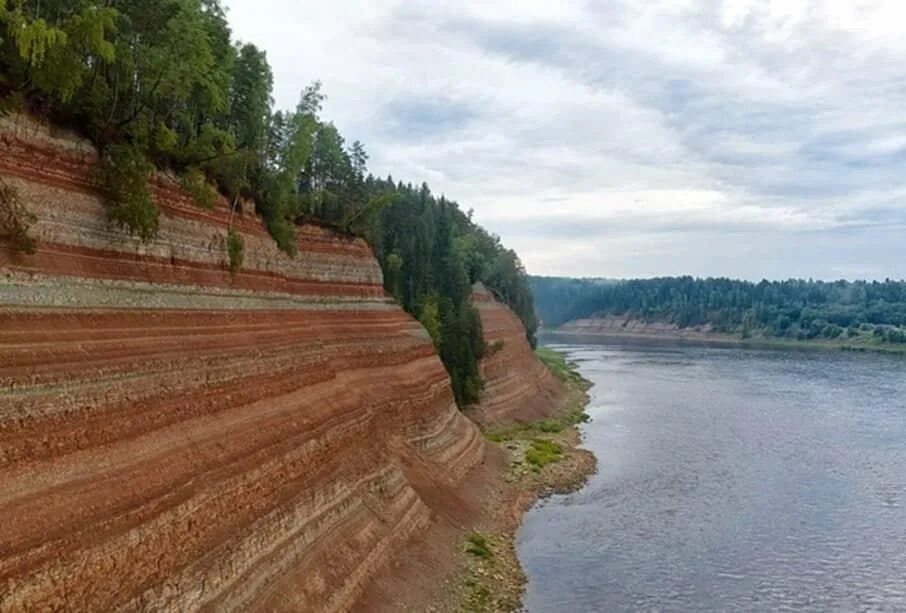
x=625, y=140
x=706, y=277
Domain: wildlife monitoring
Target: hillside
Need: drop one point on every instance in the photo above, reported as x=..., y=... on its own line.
x=177, y=435
x=857, y=314
x=163, y=88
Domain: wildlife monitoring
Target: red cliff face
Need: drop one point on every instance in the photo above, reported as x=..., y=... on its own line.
x=174, y=437
x=518, y=387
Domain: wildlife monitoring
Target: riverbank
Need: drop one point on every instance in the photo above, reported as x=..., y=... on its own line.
x=466, y=560
x=541, y=458
x=683, y=336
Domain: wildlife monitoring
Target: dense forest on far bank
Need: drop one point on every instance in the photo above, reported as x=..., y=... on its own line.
x=160, y=85
x=793, y=309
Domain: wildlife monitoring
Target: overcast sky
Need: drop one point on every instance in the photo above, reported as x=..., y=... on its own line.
x=624, y=138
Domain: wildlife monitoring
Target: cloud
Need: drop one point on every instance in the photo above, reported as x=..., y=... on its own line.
x=417, y=119
x=613, y=138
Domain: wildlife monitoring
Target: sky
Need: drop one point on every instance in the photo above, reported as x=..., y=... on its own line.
x=625, y=138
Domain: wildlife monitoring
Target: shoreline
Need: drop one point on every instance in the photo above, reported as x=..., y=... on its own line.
x=698, y=339
x=493, y=578
x=466, y=559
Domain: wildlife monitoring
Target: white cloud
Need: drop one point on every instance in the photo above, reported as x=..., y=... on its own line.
x=622, y=137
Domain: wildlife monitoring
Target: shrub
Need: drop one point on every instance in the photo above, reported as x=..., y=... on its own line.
x=551, y=426
x=235, y=250
x=429, y=317
x=196, y=185
x=283, y=233
x=122, y=176
x=478, y=546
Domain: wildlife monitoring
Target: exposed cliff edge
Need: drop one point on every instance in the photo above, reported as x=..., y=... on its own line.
x=177, y=437
x=517, y=386
x=523, y=405
x=620, y=326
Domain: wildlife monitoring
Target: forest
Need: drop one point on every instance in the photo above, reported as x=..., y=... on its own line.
x=162, y=85
x=793, y=309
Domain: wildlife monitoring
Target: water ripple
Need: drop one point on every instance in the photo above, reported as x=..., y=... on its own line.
x=730, y=481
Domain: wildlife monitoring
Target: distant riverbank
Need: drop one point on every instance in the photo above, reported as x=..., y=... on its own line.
x=609, y=330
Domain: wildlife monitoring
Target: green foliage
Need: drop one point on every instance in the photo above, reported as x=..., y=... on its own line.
x=250, y=98
x=393, y=265
x=543, y=452
x=162, y=83
x=430, y=253
x=551, y=426
x=196, y=185
x=557, y=363
x=15, y=220
x=793, y=309
x=477, y=545
x=429, y=317
x=235, y=250
x=122, y=176
x=284, y=235
x=33, y=37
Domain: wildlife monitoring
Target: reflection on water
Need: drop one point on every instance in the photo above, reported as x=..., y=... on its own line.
x=730, y=480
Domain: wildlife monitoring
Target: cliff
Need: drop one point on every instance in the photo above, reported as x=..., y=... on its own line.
x=517, y=386
x=617, y=326
x=177, y=437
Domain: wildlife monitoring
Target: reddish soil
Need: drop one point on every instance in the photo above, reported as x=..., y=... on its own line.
x=518, y=387
x=159, y=454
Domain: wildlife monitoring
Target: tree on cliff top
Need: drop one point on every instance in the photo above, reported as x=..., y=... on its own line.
x=161, y=83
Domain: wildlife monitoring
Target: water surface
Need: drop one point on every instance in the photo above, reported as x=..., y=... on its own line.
x=730, y=480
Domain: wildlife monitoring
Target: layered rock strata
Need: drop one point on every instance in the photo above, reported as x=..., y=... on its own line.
x=176, y=437
x=517, y=386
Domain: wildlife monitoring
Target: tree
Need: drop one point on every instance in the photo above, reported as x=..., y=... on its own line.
x=160, y=85
x=250, y=98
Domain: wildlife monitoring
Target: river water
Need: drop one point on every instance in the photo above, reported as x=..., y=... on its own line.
x=730, y=480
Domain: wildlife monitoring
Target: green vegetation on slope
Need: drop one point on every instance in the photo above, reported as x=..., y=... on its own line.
x=557, y=363
x=543, y=458
x=162, y=84
x=570, y=415
x=860, y=313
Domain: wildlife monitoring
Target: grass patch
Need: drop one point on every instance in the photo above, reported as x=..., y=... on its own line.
x=554, y=425
x=497, y=437
x=479, y=598
x=478, y=546
x=551, y=426
x=562, y=368
x=543, y=452
x=565, y=371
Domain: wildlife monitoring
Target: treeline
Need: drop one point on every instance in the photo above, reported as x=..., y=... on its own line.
x=431, y=254
x=793, y=309
x=161, y=84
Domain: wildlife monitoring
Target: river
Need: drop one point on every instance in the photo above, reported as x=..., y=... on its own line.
x=730, y=480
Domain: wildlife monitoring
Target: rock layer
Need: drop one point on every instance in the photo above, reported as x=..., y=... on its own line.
x=517, y=386
x=176, y=437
